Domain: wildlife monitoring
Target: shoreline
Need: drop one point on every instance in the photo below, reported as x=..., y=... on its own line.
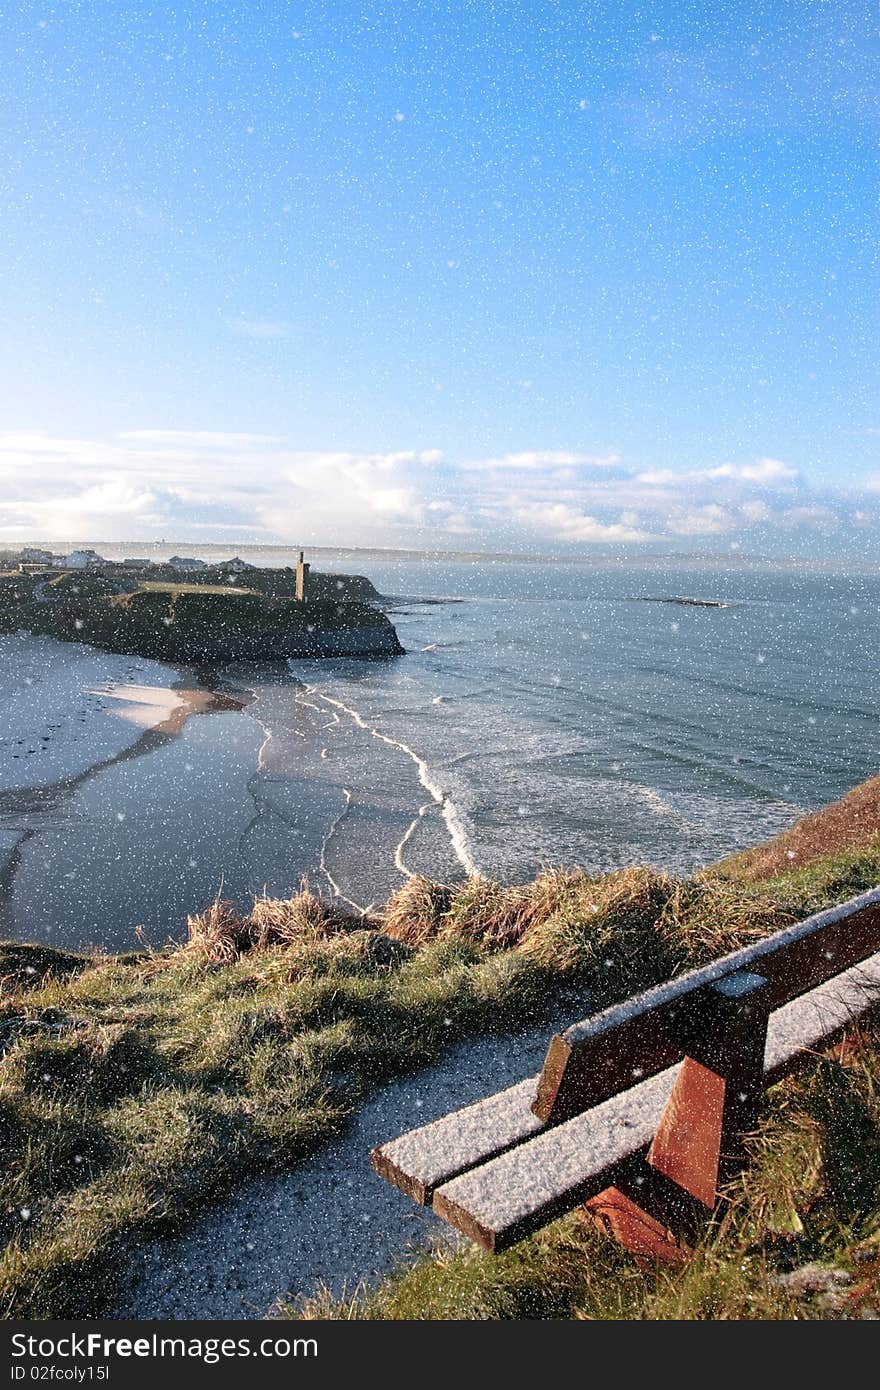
x=53, y=677
x=502, y=742
x=294, y=793
x=149, y=716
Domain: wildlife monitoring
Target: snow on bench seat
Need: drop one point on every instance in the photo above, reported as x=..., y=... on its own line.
x=809, y=1021
x=513, y=1195
x=418, y=1162
x=524, y=1188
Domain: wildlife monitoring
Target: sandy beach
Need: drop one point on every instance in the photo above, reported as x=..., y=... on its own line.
x=119, y=814
x=66, y=710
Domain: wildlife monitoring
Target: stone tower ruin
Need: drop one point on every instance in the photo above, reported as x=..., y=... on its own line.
x=302, y=574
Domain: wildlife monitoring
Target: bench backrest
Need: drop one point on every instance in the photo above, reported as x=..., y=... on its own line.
x=610, y=1051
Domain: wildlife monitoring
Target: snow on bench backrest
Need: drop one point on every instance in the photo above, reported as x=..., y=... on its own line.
x=604, y=1054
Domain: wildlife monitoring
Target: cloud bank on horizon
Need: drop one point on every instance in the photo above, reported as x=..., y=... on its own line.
x=258, y=488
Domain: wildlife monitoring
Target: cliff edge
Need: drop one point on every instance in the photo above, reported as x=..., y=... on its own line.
x=256, y=618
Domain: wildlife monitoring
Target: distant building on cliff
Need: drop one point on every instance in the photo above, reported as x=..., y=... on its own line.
x=185, y=564
x=82, y=560
x=234, y=566
x=33, y=555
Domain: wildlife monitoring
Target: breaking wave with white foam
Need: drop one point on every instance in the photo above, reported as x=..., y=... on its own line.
x=458, y=835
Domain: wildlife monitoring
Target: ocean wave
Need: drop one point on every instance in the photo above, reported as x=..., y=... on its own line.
x=325, y=844
x=414, y=824
x=458, y=836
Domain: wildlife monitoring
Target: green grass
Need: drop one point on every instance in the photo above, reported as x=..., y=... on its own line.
x=135, y=1088
x=81, y=584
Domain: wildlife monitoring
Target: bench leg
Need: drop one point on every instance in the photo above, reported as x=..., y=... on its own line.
x=661, y=1202
x=645, y=1236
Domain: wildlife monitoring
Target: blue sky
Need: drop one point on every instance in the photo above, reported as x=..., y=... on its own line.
x=468, y=275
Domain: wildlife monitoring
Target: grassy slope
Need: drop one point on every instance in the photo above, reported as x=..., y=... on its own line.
x=133, y=1089
x=851, y=823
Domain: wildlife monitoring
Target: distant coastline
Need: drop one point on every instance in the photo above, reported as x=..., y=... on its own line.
x=600, y=557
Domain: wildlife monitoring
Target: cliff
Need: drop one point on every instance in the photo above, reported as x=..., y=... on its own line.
x=256, y=620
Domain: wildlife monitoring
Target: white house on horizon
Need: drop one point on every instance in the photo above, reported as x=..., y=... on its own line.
x=234, y=566
x=81, y=560
x=186, y=564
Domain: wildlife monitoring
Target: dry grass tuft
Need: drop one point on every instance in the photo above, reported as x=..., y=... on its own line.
x=612, y=925
x=499, y=918
x=627, y=929
x=481, y=911
x=706, y=917
x=220, y=934
x=280, y=921
x=416, y=912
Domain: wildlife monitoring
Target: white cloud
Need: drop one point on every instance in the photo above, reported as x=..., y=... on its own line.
x=765, y=472
x=565, y=523
x=164, y=482
x=710, y=520
x=30, y=449
x=535, y=460
x=153, y=482
x=819, y=518
x=109, y=499
x=755, y=511
x=199, y=439
x=103, y=509
x=358, y=488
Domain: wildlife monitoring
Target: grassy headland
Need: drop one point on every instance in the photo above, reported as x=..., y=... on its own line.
x=136, y=1088
x=211, y=617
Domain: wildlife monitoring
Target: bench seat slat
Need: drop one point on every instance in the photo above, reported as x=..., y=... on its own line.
x=419, y=1161
x=507, y=1198
x=812, y=1020
x=511, y=1196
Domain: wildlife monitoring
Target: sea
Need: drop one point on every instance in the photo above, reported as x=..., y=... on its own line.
x=546, y=713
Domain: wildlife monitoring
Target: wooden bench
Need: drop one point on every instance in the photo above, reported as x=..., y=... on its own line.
x=640, y=1111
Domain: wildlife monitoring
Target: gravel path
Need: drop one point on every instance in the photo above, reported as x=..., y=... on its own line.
x=331, y=1220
